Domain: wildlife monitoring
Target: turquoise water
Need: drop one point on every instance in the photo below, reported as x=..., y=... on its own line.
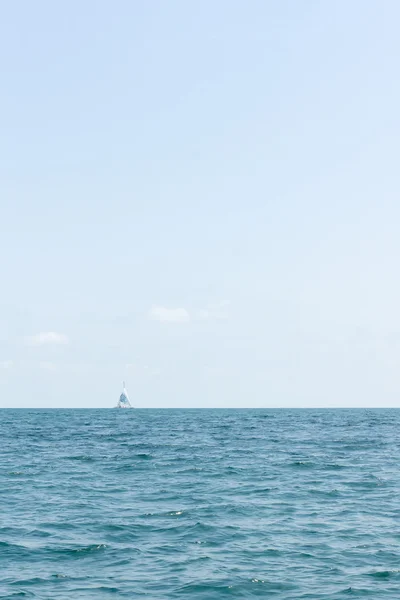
x=208, y=504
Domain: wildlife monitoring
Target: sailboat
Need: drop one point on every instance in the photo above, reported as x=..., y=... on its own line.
x=123, y=401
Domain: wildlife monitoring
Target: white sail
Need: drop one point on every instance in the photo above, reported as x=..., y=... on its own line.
x=123, y=401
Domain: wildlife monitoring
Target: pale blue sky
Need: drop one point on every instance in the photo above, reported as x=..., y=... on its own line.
x=201, y=198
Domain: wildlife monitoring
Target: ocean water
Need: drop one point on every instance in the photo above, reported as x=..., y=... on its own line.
x=202, y=504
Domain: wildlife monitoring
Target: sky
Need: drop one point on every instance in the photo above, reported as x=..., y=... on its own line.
x=202, y=199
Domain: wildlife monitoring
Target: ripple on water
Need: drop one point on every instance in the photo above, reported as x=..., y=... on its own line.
x=200, y=504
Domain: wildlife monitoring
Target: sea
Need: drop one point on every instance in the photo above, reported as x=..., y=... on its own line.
x=200, y=504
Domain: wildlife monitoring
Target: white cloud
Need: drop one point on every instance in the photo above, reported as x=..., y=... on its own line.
x=169, y=315
x=47, y=338
x=6, y=364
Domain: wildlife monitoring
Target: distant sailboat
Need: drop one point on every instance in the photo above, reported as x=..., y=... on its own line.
x=123, y=401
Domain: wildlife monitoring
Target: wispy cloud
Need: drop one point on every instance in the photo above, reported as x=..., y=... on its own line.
x=169, y=315
x=6, y=364
x=47, y=338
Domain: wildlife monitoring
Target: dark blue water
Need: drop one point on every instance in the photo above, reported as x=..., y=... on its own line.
x=210, y=504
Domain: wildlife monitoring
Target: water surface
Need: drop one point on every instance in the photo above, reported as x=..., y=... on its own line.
x=202, y=504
